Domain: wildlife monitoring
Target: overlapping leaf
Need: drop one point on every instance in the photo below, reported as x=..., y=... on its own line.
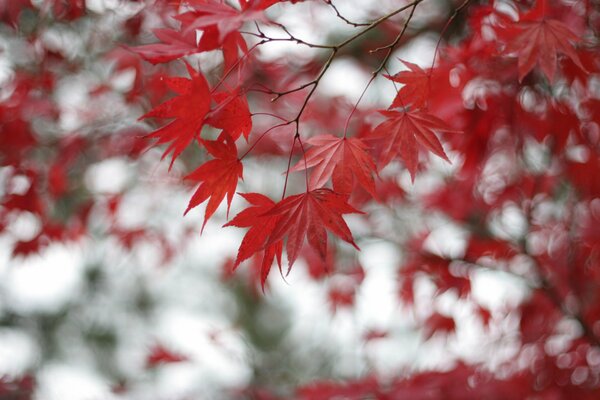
x=416, y=87
x=343, y=160
x=538, y=40
x=232, y=115
x=188, y=109
x=257, y=236
x=401, y=132
x=217, y=177
x=309, y=215
x=227, y=20
x=173, y=45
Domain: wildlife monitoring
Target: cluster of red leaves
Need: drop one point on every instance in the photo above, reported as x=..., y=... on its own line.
x=296, y=217
x=461, y=382
x=550, y=45
x=516, y=80
x=43, y=167
x=345, y=161
x=495, y=81
x=409, y=124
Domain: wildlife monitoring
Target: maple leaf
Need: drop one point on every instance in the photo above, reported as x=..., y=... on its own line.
x=309, y=214
x=231, y=45
x=189, y=110
x=538, y=40
x=174, y=45
x=403, y=130
x=218, y=177
x=415, y=91
x=208, y=14
x=256, y=238
x=341, y=159
x=231, y=114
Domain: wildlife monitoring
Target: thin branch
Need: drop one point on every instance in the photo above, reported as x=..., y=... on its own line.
x=391, y=46
x=263, y=135
x=289, y=164
x=315, y=83
x=234, y=66
x=378, y=21
x=446, y=26
x=437, y=46
x=390, y=49
x=356, y=105
x=269, y=115
x=305, y=162
x=342, y=44
x=346, y=20
x=290, y=38
x=334, y=51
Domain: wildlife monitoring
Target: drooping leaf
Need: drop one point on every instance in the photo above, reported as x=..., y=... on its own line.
x=303, y=215
x=255, y=239
x=309, y=215
x=231, y=45
x=343, y=160
x=227, y=19
x=415, y=91
x=231, y=114
x=173, y=45
x=538, y=40
x=188, y=109
x=401, y=132
x=217, y=177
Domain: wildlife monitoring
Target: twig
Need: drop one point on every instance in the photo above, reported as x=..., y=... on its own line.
x=334, y=51
x=340, y=16
x=390, y=49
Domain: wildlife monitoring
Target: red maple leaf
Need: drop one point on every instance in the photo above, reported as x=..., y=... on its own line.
x=208, y=14
x=256, y=238
x=218, y=177
x=309, y=214
x=402, y=131
x=189, y=109
x=231, y=45
x=538, y=40
x=415, y=91
x=174, y=45
x=231, y=114
x=341, y=159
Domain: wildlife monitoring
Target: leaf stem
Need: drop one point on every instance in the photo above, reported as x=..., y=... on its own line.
x=234, y=66
x=437, y=45
x=287, y=171
x=389, y=48
x=340, y=16
x=261, y=136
